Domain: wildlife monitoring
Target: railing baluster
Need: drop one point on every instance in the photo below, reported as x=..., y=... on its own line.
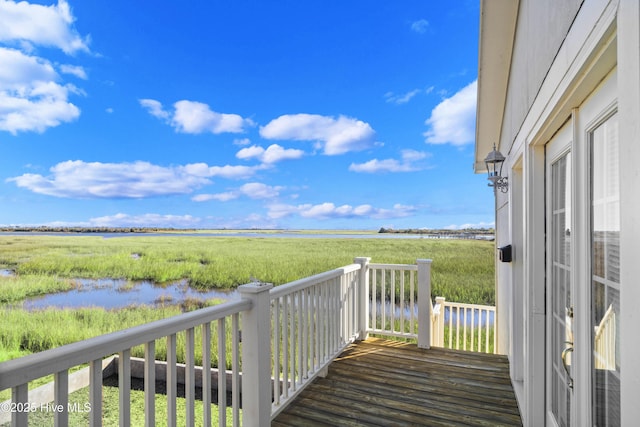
x=466, y=315
x=275, y=346
x=206, y=373
x=315, y=327
x=171, y=381
x=61, y=398
x=392, y=301
x=473, y=328
x=374, y=299
x=20, y=396
x=383, y=300
x=285, y=345
x=300, y=345
x=451, y=342
x=150, y=384
x=189, y=378
x=95, y=393
x=402, y=328
x=305, y=333
x=124, y=386
x=235, y=368
x=412, y=301
x=222, y=372
x=292, y=342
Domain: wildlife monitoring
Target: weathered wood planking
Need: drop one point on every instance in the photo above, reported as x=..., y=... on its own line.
x=388, y=383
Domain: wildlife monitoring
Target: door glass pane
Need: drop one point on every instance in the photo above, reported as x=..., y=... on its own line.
x=605, y=290
x=561, y=316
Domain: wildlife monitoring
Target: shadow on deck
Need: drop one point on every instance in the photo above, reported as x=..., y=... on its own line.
x=388, y=383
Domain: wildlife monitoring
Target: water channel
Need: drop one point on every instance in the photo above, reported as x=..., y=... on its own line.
x=118, y=293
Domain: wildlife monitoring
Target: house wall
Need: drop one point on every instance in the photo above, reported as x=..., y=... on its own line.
x=542, y=27
x=563, y=50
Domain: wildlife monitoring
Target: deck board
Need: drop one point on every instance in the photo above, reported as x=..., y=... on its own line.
x=388, y=383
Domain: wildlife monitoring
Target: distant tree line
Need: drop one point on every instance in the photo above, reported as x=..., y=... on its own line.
x=50, y=229
x=461, y=233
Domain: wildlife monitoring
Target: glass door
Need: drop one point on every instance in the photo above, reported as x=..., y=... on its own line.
x=559, y=280
x=605, y=273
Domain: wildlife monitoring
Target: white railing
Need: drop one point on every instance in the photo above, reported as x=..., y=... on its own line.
x=604, y=346
x=289, y=335
x=461, y=326
x=394, y=308
x=16, y=374
x=312, y=321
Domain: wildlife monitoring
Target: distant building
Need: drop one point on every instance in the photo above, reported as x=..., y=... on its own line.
x=559, y=96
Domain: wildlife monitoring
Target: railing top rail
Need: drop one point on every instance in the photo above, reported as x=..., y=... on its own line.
x=466, y=305
x=407, y=267
x=20, y=371
x=307, y=282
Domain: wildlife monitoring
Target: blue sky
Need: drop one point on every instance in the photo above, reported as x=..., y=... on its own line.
x=316, y=114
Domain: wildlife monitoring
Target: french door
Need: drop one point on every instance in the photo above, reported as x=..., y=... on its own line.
x=582, y=205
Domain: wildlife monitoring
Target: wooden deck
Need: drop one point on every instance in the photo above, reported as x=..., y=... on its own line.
x=387, y=383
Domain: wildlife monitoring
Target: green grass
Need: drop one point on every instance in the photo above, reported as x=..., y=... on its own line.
x=16, y=289
x=462, y=270
x=45, y=329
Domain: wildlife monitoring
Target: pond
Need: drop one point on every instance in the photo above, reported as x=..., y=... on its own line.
x=118, y=293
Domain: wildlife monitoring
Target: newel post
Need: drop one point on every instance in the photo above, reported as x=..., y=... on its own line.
x=256, y=355
x=424, y=303
x=363, y=296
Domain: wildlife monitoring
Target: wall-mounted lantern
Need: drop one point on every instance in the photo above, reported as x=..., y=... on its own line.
x=494, y=162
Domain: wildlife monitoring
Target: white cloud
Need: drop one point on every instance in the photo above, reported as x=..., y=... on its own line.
x=242, y=141
x=334, y=136
x=258, y=190
x=41, y=25
x=154, y=108
x=393, y=98
x=30, y=97
x=420, y=26
x=221, y=197
x=253, y=152
x=146, y=220
x=196, y=117
x=329, y=210
x=253, y=190
x=74, y=70
x=78, y=179
x=407, y=164
x=234, y=172
x=273, y=154
x=453, y=120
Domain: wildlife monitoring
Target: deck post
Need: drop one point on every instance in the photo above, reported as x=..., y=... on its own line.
x=256, y=355
x=424, y=303
x=363, y=295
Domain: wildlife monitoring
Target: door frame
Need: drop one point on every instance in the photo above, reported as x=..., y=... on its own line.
x=561, y=145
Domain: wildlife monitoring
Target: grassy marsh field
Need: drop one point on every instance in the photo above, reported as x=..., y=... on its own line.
x=462, y=270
